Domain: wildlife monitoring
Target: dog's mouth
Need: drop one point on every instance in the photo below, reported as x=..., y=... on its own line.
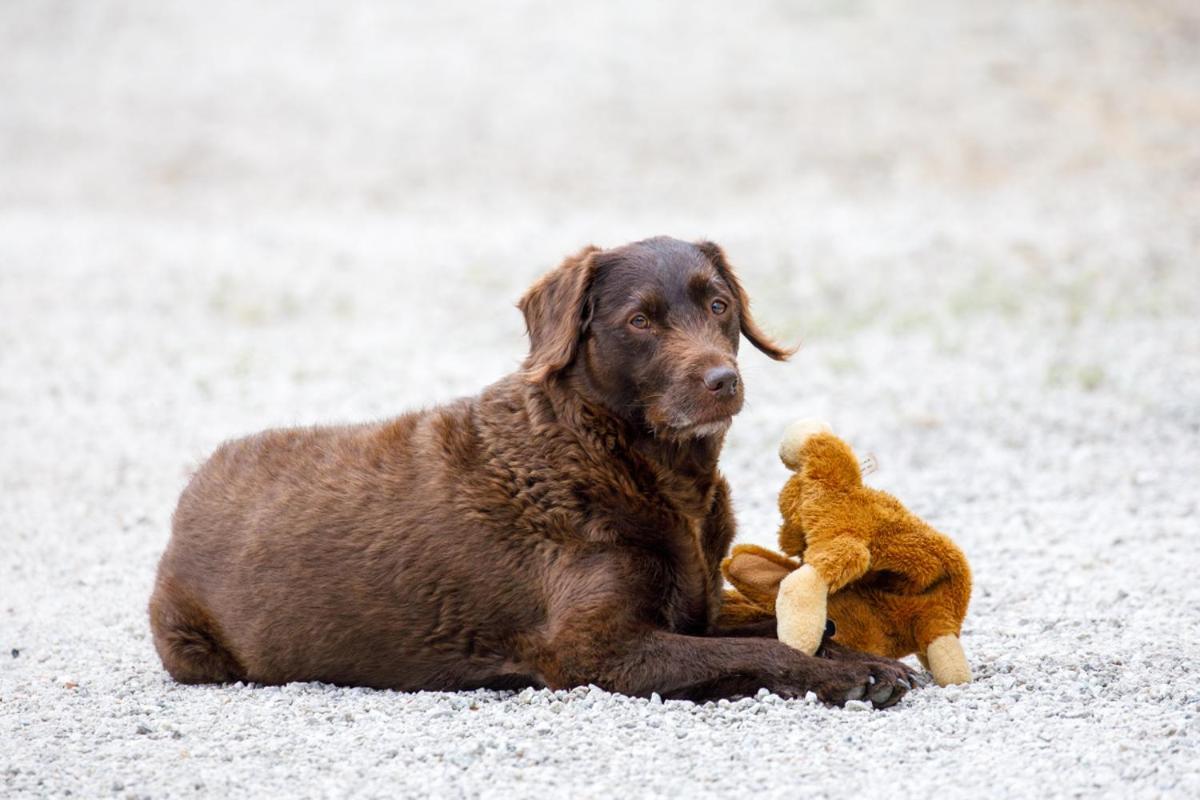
x=682, y=414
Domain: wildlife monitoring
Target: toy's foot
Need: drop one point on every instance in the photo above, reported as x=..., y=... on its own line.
x=947, y=662
x=796, y=435
x=800, y=609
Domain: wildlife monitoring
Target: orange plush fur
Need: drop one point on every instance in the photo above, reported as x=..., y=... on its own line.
x=891, y=584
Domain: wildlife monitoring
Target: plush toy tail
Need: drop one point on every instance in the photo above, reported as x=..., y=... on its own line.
x=946, y=661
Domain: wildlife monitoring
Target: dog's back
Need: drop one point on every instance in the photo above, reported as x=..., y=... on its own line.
x=323, y=554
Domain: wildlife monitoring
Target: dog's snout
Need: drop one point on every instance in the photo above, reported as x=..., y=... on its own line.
x=721, y=381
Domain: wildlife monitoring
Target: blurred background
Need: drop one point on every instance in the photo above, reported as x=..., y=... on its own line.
x=980, y=220
x=222, y=216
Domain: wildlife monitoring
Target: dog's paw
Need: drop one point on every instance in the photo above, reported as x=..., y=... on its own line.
x=833, y=651
x=795, y=437
x=879, y=683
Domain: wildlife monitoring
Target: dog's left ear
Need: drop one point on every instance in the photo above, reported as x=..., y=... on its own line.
x=557, y=311
x=750, y=329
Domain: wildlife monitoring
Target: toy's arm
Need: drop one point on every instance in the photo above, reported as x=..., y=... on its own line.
x=800, y=607
x=838, y=560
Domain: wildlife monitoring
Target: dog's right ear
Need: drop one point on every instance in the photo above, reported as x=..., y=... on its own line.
x=557, y=311
x=750, y=329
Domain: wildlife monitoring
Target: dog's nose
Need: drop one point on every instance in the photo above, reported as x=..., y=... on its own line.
x=721, y=381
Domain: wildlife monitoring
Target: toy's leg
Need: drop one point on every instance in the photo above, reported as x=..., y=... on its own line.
x=800, y=609
x=937, y=618
x=946, y=661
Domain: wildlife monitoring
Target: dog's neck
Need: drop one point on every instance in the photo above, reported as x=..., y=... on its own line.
x=692, y=457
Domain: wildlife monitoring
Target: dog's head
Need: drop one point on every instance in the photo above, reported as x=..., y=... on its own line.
x=650, y=330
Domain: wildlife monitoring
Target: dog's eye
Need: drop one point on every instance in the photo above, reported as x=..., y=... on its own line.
x=639, y=321
x=718, y=307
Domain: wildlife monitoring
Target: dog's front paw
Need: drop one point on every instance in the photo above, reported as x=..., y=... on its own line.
x=795, y=437
x=898, y=671
x=879, y=683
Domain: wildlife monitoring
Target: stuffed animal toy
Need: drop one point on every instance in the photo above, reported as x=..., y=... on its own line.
x=890, y=583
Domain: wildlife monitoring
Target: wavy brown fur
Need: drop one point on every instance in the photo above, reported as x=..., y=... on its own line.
x=563, y=527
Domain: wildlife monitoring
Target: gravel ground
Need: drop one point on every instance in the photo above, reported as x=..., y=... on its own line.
x=979, y=218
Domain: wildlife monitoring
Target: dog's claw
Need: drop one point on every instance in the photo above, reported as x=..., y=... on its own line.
x=883, y=696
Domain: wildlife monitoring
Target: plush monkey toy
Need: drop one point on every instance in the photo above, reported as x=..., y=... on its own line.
x=890, y=583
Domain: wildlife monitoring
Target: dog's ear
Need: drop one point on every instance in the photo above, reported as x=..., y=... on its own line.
x=557, y=311
x=750, y=328
x=756, y=572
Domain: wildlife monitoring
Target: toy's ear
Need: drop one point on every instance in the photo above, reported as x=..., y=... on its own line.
x=756, y=572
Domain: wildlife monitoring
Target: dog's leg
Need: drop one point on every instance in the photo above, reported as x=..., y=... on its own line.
x=187, y=639
x=738, y=616
x=759, y=628
x=704, y=668
x=829, y=649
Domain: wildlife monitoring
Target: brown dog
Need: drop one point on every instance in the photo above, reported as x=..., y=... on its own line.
x=564, y=527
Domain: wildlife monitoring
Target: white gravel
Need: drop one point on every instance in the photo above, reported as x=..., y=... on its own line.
x=980, y=218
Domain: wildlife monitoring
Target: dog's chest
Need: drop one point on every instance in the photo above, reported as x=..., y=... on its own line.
x=686, y=594
x=659, y=520
x=694, y=584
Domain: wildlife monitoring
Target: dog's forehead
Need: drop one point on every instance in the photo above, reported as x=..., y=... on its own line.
x=667, y=265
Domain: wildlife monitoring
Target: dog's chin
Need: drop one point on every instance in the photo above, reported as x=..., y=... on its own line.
x=685, y=423
x=705, y=430
x=700, y=430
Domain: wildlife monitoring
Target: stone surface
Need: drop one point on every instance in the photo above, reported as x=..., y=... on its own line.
x=979, y=220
